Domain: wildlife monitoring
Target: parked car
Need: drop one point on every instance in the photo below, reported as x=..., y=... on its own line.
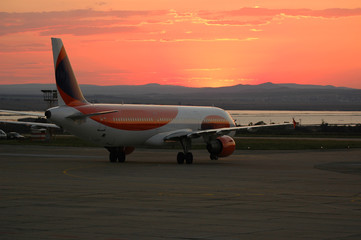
x=15, y=135
x=2, y=134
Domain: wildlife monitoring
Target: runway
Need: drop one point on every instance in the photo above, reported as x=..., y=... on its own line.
x=75, y=193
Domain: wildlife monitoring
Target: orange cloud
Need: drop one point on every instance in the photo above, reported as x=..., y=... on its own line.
x=260, y=16
x=260, y=12
x=91, y=22
x=75, y=22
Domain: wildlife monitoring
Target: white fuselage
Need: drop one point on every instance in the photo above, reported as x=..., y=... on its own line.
x=136, y=125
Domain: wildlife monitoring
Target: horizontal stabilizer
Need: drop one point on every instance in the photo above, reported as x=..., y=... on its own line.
x=79, y=116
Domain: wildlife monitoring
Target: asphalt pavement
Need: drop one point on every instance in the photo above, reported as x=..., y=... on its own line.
x=75, y=193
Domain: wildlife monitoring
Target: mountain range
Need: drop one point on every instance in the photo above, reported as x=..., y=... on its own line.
x=266, y=96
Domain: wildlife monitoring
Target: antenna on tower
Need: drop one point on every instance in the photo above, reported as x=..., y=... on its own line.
x=50, y=96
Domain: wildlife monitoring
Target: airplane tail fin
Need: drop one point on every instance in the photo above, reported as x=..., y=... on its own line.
x=66, y=83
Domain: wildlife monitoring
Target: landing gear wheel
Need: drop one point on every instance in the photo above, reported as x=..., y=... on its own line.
x=116, y=153
x=112, y=156
x=189, y=158
x=213, y=157
x=121, y=156
x=180, y=158
x=186, y=154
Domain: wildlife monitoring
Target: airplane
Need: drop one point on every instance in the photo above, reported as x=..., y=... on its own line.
x=122, y=127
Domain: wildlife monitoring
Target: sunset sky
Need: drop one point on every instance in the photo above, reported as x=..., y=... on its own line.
x=198, y=43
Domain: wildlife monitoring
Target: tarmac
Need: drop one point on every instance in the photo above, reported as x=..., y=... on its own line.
x=75, y=193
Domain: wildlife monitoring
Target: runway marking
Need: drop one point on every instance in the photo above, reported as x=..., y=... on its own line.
x=186, y=194
x=254, y=194
x=42, y=155
x=66, y=172
x=356, y=198
x=65, y=236
x=163, y=194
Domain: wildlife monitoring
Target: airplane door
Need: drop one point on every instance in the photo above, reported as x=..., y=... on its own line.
x=101, y=129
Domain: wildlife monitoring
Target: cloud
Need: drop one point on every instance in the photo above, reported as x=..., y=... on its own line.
x=101, y=3
x=261, y=12
x=82, y=31
x=23, y=47
x=76, y=22
x=202, y=69
x=83, y=22
x=151, y=26
x=238, y=22
x=260, y=16
x=208, y=40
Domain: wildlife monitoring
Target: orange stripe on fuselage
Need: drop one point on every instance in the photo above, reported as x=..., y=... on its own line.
x=214, y=122
x=132, y=118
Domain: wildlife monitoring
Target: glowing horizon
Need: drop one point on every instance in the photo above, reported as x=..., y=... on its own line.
x=194, y=44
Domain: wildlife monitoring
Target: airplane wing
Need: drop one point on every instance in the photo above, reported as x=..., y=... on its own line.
x=24, y=113
x=46, y=125
x=34, y=114
x=216, y=132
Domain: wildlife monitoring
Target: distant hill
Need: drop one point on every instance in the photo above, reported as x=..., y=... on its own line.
x=266, y=96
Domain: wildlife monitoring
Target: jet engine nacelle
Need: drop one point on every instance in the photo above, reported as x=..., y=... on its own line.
x=222, y=146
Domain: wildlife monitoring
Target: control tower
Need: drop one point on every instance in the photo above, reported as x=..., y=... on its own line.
x=50, y=96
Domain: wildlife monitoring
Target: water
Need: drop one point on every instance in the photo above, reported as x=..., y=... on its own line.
x=244, y=117
x=304, y=117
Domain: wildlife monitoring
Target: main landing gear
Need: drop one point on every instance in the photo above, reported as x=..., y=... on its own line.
x=185, y=155
x=116, y=153
x=213, y=156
